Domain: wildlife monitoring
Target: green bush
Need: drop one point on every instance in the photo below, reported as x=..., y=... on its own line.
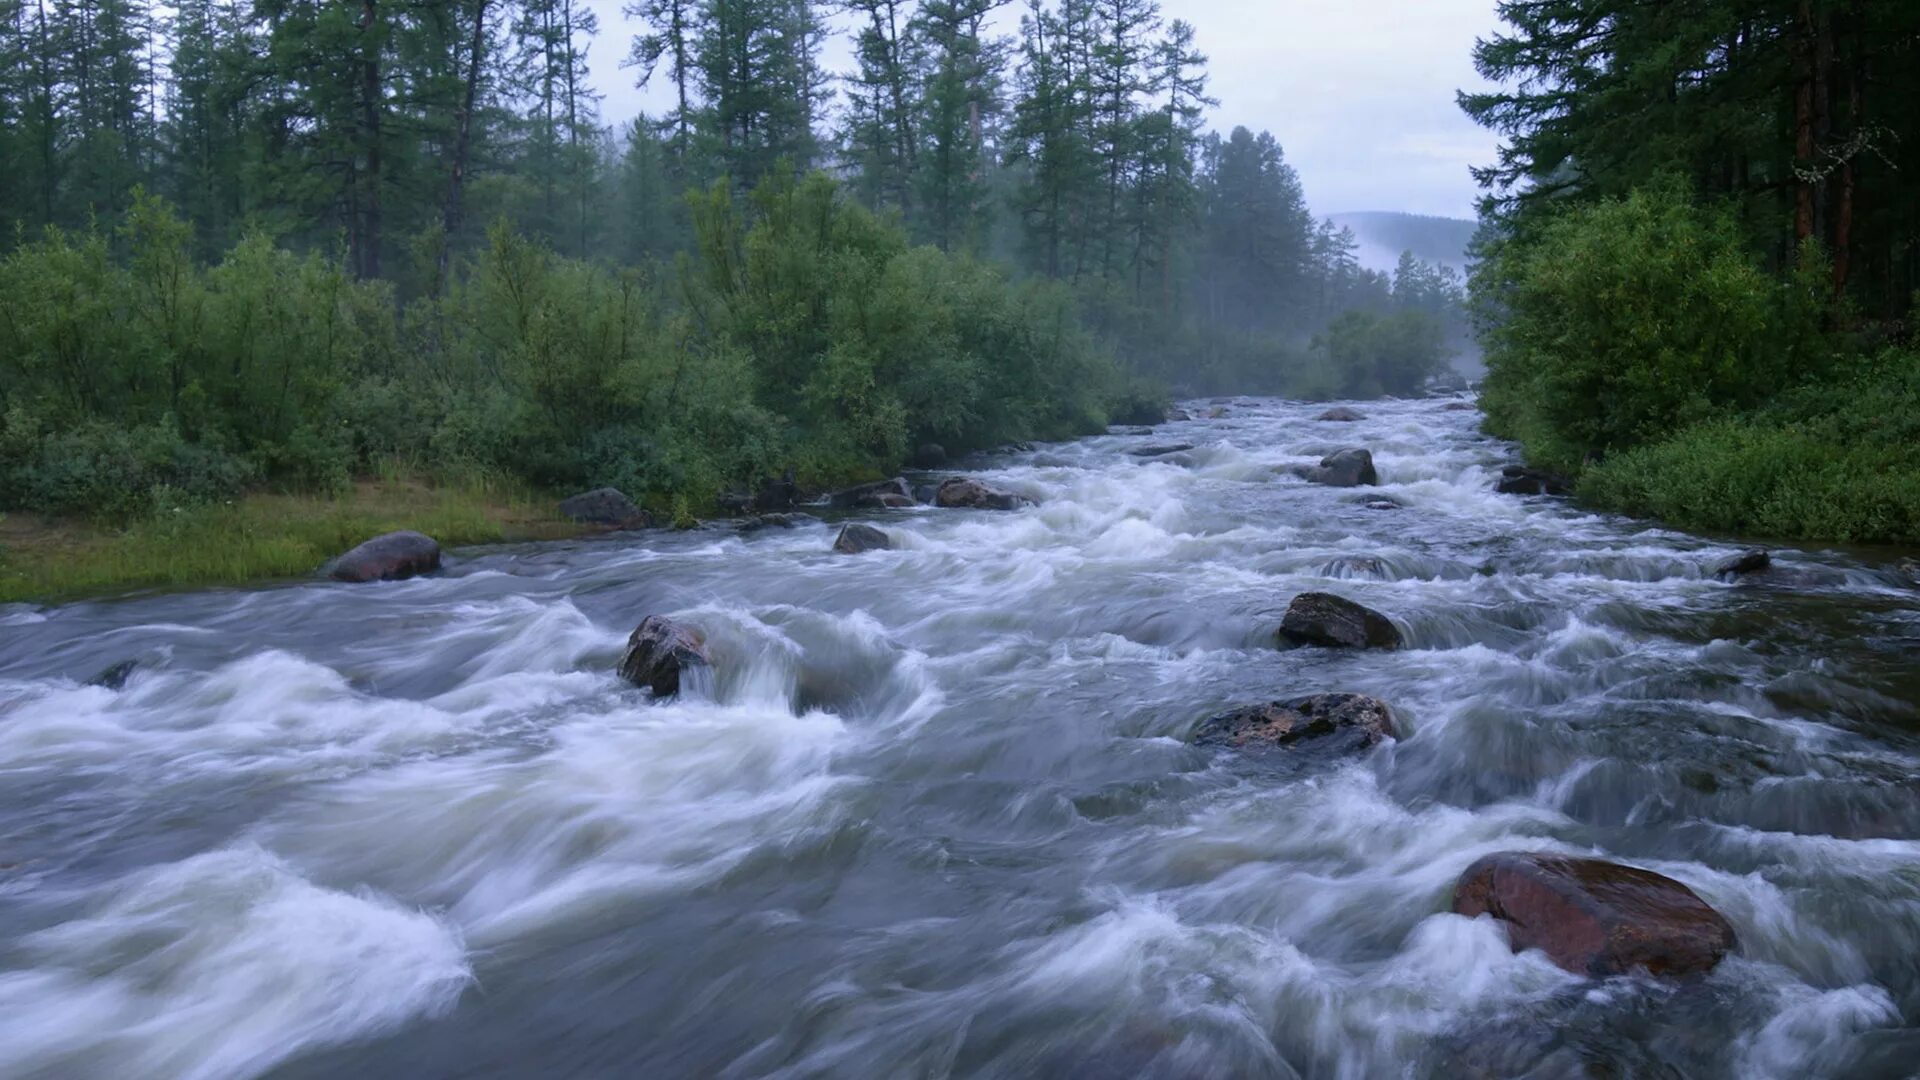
x=1621, y=321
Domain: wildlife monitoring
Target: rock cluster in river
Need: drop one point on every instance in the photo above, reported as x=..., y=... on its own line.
x=966, y=493
x=388, y=557
x=1351, y=467
x=881, y=494
x=1330, y=722
x=1342, y=414
x=1318, y=618
x=856, y=538
x=659, y=652
x=1594, y=917
x=1520, y=480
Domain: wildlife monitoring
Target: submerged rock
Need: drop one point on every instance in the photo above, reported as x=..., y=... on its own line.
x=856, y=538
x=115, y=677
x=1332, y=722
x=1459, y=406
x=606, y=506
x=1216, y=413
x=1520, y=480
x=1350, y=566
x=966, y=493
x=1381, y=504
x=1594, y=917
x=1342, y=414
x=1161, y=449
x=1178, y=414
x=1317, y=618
x=1351, y=467
x=1747, y=562
x=659, y=652
x=881, y=493
x=389, y=557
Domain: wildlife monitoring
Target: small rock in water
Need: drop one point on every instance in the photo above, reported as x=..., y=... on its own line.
x=857, y=538
x=966, y=493
x=659, y=652
x=1161, y=449
x=1381, y=504
x=606, y=506
x=1317, y=618
x=776, y=521
x=115, y=677
x=1352, y=566
x=389, y=557
x=1216, y=413
x=1594, y=917
x=1178, y=414
x=1520, y=480
x=882, y=493
x=1352, y=467
x=1747, y=562
x=1335, y=722
x=1342, y=414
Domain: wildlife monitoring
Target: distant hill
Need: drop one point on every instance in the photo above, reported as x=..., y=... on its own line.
x=1384, y=234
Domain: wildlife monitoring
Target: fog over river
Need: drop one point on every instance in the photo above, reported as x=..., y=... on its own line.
x=938, y=815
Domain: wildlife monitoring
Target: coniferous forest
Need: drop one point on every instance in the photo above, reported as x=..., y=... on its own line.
x=284, y=243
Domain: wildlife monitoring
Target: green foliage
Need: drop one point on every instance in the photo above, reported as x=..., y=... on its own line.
x=1617, y=322
x=1373, y=355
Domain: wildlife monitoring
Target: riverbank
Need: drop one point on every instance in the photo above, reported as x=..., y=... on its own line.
x=254, y=538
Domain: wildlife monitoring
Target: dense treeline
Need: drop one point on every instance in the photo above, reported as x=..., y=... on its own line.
x=1701, y=250
x=402, y=232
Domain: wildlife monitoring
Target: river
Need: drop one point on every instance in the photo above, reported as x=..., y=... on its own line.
x=937, y=816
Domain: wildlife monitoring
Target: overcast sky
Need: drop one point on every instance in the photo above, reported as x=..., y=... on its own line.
x=1359, y=92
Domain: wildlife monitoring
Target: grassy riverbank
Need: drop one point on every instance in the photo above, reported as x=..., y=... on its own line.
x=256, y=537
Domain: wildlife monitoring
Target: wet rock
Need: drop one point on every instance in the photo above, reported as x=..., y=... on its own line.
x=1594, y=917
x=1352, y=467
x=1316, y=618
x=1747, y=562
x=1342, y=414
x=1216, y=413
x=1016, y=448
x=1381, y=504
x=1136, y=431
x=1459, y=406
x=856, y=538
x=930, y=456
x=734, y=503
x=966, y=493
x=115, y=677
x=1161, y=449
x=1178, y=414
x=389, y=557
x=659, y=652
x=1331, y=722
x=1354, y=566
x=1520, y=480
x=776, y=521
x=780, y=494
x=877, y=494
x=608, y=507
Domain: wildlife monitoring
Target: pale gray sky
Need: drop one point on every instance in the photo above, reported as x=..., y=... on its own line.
x=1359, y=92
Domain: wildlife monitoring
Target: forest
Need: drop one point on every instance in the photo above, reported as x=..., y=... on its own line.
x=1698, y=258
x=285, y=243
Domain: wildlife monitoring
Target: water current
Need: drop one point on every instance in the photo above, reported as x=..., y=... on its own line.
x=937, y=815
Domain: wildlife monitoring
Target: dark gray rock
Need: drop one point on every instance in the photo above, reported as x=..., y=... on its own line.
x=780, y=494
x=608, y=507
x=856, y=538
x=1317, y=618
x=1161, y=449
x=872, y=495
x=1520, y=480
x=115, y=677
x=659, y=652
x=776, y=521
x=966, y=493
x=1459, y=406
x=1352, y=467
x=1342, y=414
x=1747, y=562
x=389, y=557
x=1329, y=722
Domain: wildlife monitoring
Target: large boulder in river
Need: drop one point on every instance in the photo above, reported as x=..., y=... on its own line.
x=856, y=538
x=389, y=557
x=1595, y=917
x=1747, y=562
x=1330, y=722
x=1317, y=618
x=1352, y=467
x=964, y=492
x=606, y=506
x=883, y=493
x=659, y=652
x=1520, y=480
x=1342, y=414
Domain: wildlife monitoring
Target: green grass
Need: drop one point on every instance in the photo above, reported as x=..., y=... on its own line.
x=259, y=537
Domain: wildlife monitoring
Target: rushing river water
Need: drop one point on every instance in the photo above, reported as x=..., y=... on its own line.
x=937, y=815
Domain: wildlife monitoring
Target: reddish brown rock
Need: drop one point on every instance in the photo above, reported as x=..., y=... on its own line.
x=1317, y=618
x=1595, y=917
x=389, y=557
x=659, y=652
x=963, y=492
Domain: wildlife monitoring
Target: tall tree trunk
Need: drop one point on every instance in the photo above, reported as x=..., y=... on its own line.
x=463, y=140
x=367, y=263
x=1803, y=124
